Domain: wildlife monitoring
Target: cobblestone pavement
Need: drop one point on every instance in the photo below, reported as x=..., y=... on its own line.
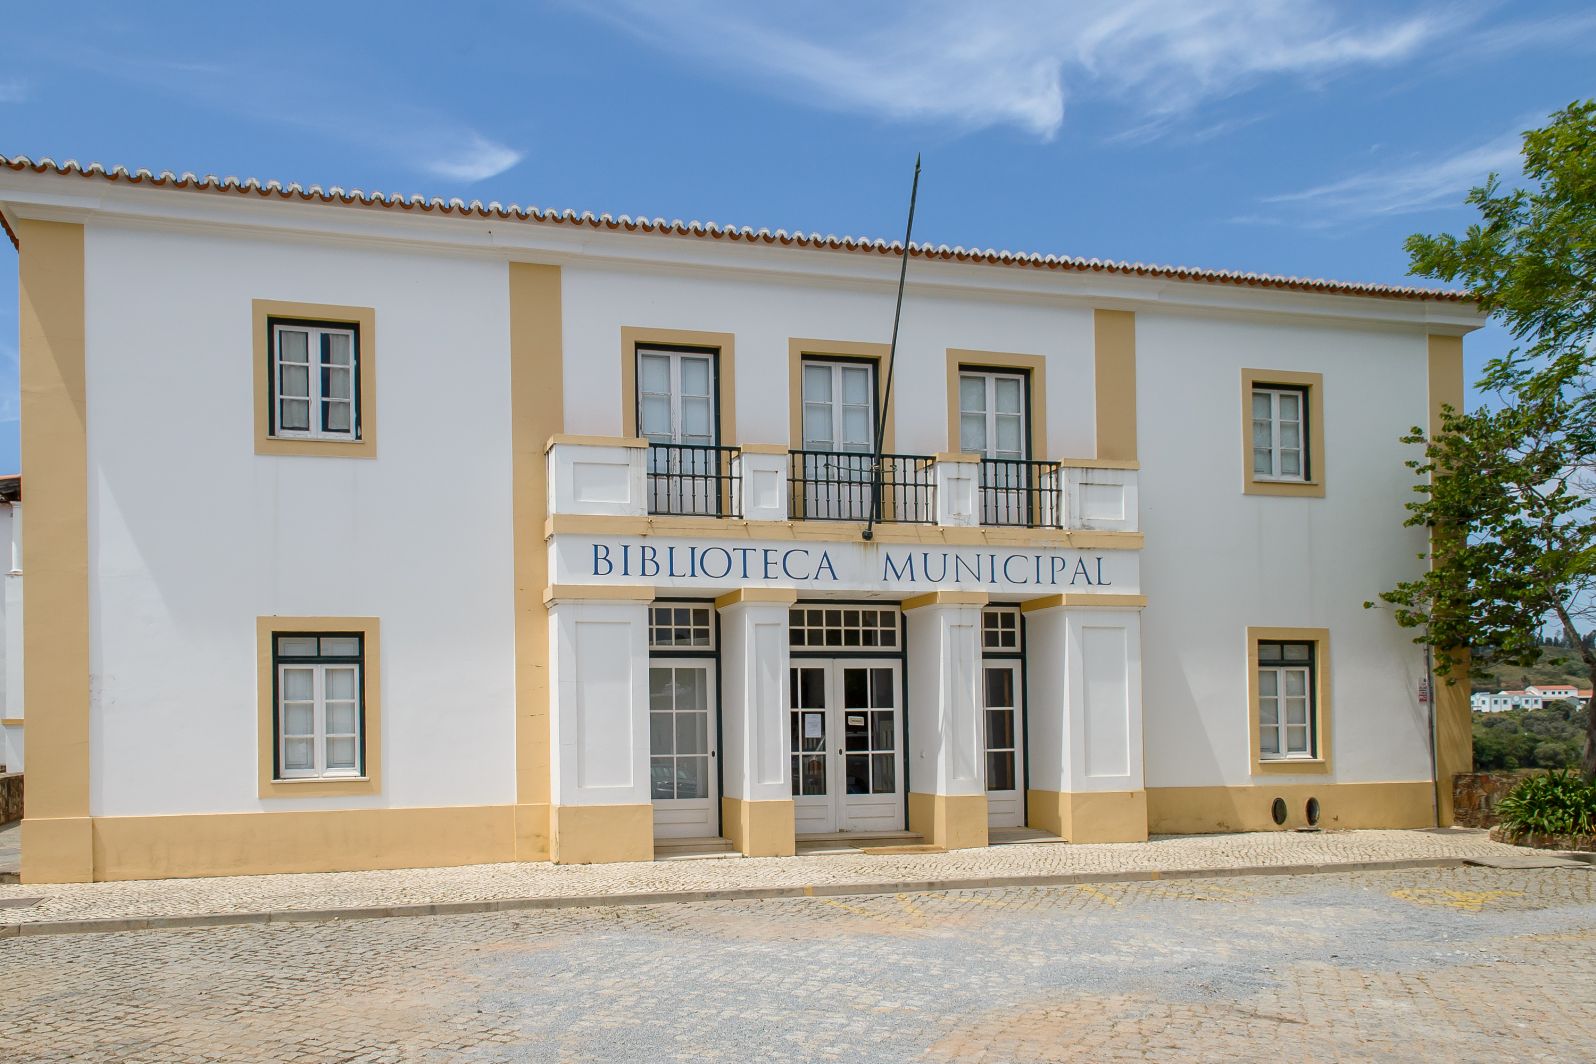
x=26, y=903
x=1421, y=964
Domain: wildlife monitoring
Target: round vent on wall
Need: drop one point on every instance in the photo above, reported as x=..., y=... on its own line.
x=1278, y=810
x=1313, y=812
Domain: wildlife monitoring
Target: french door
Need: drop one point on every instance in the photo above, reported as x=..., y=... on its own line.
x=993, y=424
x=681, y=724
x=839, y=436
x=847, y=760
x=1005, y=744
x=676, y=414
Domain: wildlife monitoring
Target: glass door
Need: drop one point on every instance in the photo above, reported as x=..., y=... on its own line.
x=992, y=424
x=809, y=692
x=1005, y=790
x=839, y=434
x=682, y=749
x=847, y=766
x=872, y=771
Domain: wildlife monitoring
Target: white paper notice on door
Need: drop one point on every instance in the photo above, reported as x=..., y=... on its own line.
x=814, y=725
x=856, y=720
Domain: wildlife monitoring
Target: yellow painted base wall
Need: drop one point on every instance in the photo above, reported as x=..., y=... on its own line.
x=601, y=834
x=1198, y=810
x=532, y=832
x=1089, y=816
x=950, y=821
x=59, y=850
x=242, y=844
x=759, y=829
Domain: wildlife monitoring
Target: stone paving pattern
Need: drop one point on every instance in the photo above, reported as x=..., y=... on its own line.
x=1460, y=964
x=243, y=894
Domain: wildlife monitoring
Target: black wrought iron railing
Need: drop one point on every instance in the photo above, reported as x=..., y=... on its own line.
x=1022, y=493
x=693, y=479
x=848, y=486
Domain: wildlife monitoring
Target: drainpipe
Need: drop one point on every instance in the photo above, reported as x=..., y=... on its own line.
x=1435, y=770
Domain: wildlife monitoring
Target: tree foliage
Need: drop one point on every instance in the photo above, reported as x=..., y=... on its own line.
x=1508, y=491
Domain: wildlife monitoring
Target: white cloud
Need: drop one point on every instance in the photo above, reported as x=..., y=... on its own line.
x=12, y=90
x=1419, y=185
x=468, y=156
x=1018, y=62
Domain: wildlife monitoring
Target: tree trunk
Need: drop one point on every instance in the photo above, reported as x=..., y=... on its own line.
x=1588, y=765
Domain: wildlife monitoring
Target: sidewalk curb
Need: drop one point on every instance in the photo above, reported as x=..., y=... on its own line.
x=587, y=901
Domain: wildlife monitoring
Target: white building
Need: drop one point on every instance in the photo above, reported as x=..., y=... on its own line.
x=368, y=532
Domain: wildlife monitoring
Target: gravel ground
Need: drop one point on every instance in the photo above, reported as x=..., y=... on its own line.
x=1422, y=965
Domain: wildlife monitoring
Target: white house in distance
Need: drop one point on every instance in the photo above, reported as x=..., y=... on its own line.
x=1533, y=697
x=369, y=531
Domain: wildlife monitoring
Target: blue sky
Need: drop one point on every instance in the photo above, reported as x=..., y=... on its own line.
x=1290, y=136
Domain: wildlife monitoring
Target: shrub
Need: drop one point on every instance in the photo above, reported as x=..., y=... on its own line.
x=1558, y=803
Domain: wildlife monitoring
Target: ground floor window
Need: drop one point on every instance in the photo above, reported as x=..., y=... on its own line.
x=679, y=732
x=1286, y=712
x=319, y=722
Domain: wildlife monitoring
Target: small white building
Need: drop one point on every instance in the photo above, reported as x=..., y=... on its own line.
x=369, y=531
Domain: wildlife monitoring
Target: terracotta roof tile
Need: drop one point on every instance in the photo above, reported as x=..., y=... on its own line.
x=711, y=230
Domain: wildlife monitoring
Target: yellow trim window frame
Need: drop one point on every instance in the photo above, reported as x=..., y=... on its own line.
x=320, y=710
x=720, y=348
x=315, y=370
x=1282, y=427
x=1031, y=370
x=1288, y=695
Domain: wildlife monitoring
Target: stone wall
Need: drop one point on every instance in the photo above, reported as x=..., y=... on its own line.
x=1475, y=794
x=10, y=797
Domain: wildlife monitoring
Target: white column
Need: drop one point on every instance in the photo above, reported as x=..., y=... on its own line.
x=1084, y=680
x=598, y=730
x=957, y=478
x=756, y=804
x=945, y=753
x=761, y=477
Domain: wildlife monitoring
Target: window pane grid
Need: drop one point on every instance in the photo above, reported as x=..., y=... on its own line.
x=846, y=627
x=1286, y=725
x=314, y=380
x=318, y=719
x=680, y=625
x=1000, y=629
x=679, y=731
x=1279, y=447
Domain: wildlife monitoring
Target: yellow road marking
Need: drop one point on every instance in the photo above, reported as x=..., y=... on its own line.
x=1472, y=901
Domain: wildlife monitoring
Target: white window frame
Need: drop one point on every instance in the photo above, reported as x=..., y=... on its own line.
x=834, y=406
x=315, y=367
x=318, y=667
x=989, y=411
x=1304, y=456
x=1308, y=670
x=675, y=357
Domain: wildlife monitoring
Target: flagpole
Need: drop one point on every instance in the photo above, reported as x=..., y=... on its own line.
x=892, y=357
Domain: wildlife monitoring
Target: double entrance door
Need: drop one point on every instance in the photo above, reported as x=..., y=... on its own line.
x=847, y=745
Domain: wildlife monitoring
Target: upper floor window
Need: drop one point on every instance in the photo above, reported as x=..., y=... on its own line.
x=839, y=405
x=992, y=414
x=319, y=722
x=314, y=379
x=1286, y=690
x=676, y=396
x=1280, y=433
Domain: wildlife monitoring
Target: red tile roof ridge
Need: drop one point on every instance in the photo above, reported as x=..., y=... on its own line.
x=676, y=227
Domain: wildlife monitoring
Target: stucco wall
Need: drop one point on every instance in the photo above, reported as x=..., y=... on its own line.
x=193, y=535
x=1218, y=561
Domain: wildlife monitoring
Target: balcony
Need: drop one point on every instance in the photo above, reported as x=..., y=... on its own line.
x=694, y=480
x=849, y=486
x=599, y=476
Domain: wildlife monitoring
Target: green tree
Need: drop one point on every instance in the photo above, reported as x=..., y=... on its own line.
x=1508, y=491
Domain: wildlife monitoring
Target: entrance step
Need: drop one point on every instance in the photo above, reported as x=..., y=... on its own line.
x=693, y=849
x=1018, y=836
x=852, y=841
